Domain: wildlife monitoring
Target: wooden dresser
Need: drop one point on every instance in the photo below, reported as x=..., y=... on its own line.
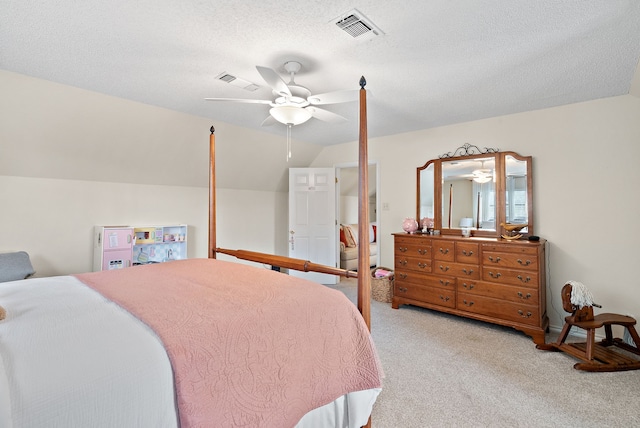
x=488, y=279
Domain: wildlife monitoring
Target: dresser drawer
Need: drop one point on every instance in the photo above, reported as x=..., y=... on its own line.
x=510, y=293
x=411, y=239
x=442, y=296
x=414, y=247
x=412, y=263
x=460, y=270
x=524, y=278
x=413, y=277
x=511, y=248
x=500, y=309
x=507, y=260
x=444, y=250
x=467, y=252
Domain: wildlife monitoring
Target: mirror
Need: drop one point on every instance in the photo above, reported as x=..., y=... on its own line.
x=517, y=190
x=468, y=193
x=425, y=202
x=475, y=191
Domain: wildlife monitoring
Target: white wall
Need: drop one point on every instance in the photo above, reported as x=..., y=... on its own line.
x=252, y=220
x=586, y=198
x=53, y=219
x=348, y=209
x=50, y=130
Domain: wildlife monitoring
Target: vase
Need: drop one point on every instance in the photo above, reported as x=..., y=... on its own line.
x=410, y=225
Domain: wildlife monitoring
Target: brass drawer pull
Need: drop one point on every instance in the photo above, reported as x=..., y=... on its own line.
x=524, y=280
x=443, y=298
x=444, y=268
x=403, y=262
x=422, y=265
x=527, y=263
x=522, y=314
x=423, y=251
x=468, y=286
x=467, y=253
x=445, y=283
x=403, y=275
x=469, y=272
x=403, y=249
x=402, y=289
x=528, y=296
x=444, y=250
x=496, y=260
x=495, y=275
x=467, y=303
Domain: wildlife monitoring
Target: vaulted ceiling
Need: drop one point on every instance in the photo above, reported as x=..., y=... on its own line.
x=428, y=63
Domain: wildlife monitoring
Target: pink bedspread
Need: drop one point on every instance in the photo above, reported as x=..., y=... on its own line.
x=249, y=346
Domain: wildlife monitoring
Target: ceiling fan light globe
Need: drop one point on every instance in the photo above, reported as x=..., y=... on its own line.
x=482, y=179
x=290, y=115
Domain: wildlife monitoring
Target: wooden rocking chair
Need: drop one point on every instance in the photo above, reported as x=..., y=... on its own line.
x=596, y=356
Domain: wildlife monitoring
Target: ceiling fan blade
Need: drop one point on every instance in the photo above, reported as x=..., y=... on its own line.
x=274, y=80
x=270, y=120
x=325, y=115
x=335, y=97
x=240, y=100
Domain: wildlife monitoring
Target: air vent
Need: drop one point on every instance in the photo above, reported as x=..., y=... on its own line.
x=235, y=81
x=358, y=26
x=227, y=78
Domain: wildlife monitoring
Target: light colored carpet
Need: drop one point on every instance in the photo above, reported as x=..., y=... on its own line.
x=446, y=371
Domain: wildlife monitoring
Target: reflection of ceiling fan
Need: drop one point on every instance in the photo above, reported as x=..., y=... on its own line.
x=481, y=175
x=294, y=103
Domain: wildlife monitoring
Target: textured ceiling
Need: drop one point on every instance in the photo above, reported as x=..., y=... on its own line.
x=438, y=62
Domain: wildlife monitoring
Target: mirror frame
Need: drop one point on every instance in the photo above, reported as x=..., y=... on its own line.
x=469, y=152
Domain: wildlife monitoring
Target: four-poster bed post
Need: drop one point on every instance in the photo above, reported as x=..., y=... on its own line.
x=364, y=279
x=212, y=194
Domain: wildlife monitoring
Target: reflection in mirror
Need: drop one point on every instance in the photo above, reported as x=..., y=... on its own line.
x=469, y=193
x=426, y=210
x=516, y=191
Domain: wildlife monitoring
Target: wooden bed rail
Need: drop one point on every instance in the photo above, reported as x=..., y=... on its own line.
x=286, y=262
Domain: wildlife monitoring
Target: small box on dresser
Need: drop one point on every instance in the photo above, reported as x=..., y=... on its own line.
x=488, y=279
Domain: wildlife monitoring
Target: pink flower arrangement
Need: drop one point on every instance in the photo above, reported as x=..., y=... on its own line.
x=427, y=223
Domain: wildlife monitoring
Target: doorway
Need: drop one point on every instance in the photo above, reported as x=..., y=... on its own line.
x=347, y=203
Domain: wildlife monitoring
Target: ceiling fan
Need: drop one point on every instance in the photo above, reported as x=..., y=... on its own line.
x=482, y=175
x=294, y=104
x=479, y=175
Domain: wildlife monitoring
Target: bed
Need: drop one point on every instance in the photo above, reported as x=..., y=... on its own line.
x=223, y=344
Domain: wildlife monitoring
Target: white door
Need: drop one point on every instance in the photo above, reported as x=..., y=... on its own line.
x=312, y=220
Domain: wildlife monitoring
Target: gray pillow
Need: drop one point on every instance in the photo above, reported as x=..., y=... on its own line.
x=14, y=266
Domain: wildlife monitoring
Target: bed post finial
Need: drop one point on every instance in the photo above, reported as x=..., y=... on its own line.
x=212, y=129
x=363, y=82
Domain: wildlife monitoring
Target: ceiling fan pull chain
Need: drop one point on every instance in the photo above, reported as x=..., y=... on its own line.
x=288, y=141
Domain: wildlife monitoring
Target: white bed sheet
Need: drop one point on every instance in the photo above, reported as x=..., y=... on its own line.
x=71, y=358
x=65, y=349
